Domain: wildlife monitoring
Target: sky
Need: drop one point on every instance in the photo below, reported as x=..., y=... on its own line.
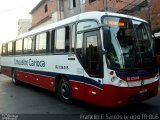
x=10, y=12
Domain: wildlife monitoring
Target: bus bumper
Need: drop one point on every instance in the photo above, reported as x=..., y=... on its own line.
x=118, y=96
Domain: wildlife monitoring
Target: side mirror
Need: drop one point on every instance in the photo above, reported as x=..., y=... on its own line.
x=158, y=59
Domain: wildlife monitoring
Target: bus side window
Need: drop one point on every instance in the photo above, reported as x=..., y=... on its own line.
x=67, y=33
x=18, y=47
x=79, y=47
x=41, y=41
x=1, y=50
x=4, y=49
x=27, y=49
x=47, y=42
x=60, y=40
x=10, y=48
x=52, y=40
x=73, y=38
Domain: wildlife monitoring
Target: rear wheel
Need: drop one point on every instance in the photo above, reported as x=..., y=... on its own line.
x=14, y=80
x=64, y=90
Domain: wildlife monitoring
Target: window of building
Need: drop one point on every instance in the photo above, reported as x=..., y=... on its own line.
x=90, y=1
x=41, y=42
x=27, y=49
x=19, y=46
x=72, y=4
x=46, y=8
x=10, y=49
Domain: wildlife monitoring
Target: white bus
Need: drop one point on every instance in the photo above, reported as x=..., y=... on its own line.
x=103, y=58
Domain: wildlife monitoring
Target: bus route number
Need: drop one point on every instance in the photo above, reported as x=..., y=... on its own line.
x=61, y=67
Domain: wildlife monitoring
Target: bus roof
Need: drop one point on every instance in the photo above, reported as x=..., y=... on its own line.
x=98, y=15
x=86, y=15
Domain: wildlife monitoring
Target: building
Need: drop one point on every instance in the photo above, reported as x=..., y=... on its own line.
x=24, y=25
x=49, y=11
x=109, y=5
x=146, y=9
x=46, y=12
x=155, y=15
x=73, y=7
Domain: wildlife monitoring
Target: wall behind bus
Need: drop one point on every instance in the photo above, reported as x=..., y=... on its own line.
x=45, y=11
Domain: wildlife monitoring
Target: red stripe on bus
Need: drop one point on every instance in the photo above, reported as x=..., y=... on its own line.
x=37, y=80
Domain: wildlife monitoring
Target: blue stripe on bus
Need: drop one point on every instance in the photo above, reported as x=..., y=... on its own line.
x=70, y=77
x=85, y=80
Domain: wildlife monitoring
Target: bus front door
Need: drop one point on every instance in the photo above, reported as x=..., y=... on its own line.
x=93, y=66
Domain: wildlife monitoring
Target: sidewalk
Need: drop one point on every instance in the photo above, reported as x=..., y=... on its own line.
x=4, y=77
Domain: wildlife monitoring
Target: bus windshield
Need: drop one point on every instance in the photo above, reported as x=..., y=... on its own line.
x=130, y=43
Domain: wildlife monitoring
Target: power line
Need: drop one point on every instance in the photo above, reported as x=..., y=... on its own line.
x=16, y=8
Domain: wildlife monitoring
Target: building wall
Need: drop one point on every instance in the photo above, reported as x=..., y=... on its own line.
x=39, y=15
x=110, y=5
x=142, y=13
x=95, y=5
x=71, y=11
x=155, y=15
x=60, y=9
x=151, y=13
x=23, y=25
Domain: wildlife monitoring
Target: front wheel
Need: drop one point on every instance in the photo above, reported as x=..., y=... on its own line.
x=64, y=90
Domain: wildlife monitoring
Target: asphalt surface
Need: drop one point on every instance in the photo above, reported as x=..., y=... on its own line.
x=25, y=102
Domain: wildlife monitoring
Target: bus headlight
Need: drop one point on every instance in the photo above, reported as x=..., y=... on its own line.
x=118, y=82
x=122, y=83
x=113, y=79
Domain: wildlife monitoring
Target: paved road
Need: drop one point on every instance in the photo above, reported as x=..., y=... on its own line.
x=29, y=101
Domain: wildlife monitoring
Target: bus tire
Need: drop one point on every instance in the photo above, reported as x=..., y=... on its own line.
x=64, y=90
x=14, y=79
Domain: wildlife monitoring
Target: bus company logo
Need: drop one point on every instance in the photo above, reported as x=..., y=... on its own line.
x=133, y=78
x=30, y=62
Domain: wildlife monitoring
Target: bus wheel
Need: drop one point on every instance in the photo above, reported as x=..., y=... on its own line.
x=64, y=90
x=14, y=80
